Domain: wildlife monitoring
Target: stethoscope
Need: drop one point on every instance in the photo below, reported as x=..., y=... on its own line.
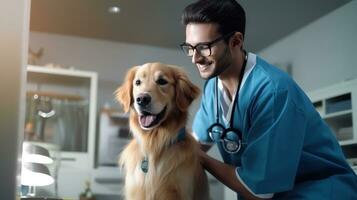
x=230, y=137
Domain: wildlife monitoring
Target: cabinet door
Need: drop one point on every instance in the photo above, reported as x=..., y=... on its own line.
x=60, y=109
x=71, y=181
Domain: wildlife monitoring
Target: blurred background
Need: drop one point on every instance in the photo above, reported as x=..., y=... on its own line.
x=79, y=52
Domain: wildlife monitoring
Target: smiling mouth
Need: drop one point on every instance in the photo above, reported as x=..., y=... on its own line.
x=204, y=66
x=148, y=120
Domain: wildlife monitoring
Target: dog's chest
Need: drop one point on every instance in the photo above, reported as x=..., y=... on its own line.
x=161, y=177
x=168, y=167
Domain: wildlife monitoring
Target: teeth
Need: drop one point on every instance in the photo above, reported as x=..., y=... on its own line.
x=202, y=66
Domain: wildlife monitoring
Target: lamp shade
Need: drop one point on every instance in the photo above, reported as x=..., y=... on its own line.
x=35, y=154
x=35, y=174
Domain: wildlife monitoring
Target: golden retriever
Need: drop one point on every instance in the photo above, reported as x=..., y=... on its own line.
x=161, y=162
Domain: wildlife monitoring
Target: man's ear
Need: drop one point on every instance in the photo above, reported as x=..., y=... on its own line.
x=237, y=39
x=124, y=94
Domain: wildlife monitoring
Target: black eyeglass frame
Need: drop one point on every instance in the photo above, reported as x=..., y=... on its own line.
x=205, y=44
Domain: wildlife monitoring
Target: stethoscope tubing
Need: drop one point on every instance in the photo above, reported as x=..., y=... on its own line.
x=222, y=131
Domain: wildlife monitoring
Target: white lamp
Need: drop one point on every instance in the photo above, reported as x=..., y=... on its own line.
x=34, y=172
x=35, y=154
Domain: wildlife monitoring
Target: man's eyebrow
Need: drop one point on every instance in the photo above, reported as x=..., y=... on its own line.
x=200, y=43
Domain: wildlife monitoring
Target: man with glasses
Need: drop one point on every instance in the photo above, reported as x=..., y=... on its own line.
x=273, y=142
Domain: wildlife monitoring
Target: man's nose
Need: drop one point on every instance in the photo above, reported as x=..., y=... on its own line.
x=196, y=57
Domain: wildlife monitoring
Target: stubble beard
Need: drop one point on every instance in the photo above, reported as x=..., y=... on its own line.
x=221, y=65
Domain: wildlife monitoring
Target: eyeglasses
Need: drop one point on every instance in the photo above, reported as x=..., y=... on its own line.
x=203, y=48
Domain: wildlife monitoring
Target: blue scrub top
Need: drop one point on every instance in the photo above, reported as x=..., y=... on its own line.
x=287, y=148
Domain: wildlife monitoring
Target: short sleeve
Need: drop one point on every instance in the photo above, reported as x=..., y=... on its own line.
x=203, y=118
x=274, y=143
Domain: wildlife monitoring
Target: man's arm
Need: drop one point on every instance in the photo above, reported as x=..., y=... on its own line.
x=226, y=174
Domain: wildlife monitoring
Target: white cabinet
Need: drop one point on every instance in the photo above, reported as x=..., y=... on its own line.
x=113, y=136
x=108, y=181
x=337, y=105
x=61, y=109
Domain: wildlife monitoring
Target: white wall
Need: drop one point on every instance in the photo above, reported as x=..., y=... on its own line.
x=110, y=59
x=321, y=53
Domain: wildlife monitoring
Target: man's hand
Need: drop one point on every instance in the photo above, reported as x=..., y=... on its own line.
x=224, y=173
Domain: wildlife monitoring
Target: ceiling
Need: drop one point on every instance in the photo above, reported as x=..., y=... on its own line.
x=157, y=22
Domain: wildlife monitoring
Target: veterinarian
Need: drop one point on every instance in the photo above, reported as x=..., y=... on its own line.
x=273, y=142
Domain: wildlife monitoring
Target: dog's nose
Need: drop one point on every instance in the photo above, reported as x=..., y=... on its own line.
x=143, y=100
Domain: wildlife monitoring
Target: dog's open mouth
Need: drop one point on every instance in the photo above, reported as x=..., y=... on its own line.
x=148, y=120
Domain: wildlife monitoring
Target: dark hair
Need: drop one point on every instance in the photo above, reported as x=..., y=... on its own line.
x=228, y=14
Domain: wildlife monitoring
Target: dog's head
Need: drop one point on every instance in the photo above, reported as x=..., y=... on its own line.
x=157, y=94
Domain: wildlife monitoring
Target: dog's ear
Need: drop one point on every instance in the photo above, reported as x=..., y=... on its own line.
x=124, y=93
x=186, y=91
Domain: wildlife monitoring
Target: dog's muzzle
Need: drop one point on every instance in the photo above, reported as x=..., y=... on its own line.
x=143, y=100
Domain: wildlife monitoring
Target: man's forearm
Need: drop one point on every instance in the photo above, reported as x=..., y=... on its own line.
x=224, y=173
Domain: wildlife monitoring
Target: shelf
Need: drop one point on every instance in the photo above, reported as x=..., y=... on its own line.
x=340, y=120
x=54, y=95
x=59, y=71
x=337, y=114
x=337, y=104
x=347, y=142
x=342, y=125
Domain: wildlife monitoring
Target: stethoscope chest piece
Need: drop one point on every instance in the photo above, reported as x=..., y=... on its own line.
x=232, y=141
x=216, y=131
x=232, y=146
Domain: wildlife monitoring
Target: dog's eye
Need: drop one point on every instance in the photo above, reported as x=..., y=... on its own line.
x=161, y=81
x=137, y=82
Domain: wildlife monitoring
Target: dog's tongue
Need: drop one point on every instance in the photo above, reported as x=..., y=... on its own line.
x=147, y=120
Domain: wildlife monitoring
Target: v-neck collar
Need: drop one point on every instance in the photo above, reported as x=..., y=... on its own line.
x=226, y=103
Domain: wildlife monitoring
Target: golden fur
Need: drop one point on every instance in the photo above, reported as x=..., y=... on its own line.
x=174, y=171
